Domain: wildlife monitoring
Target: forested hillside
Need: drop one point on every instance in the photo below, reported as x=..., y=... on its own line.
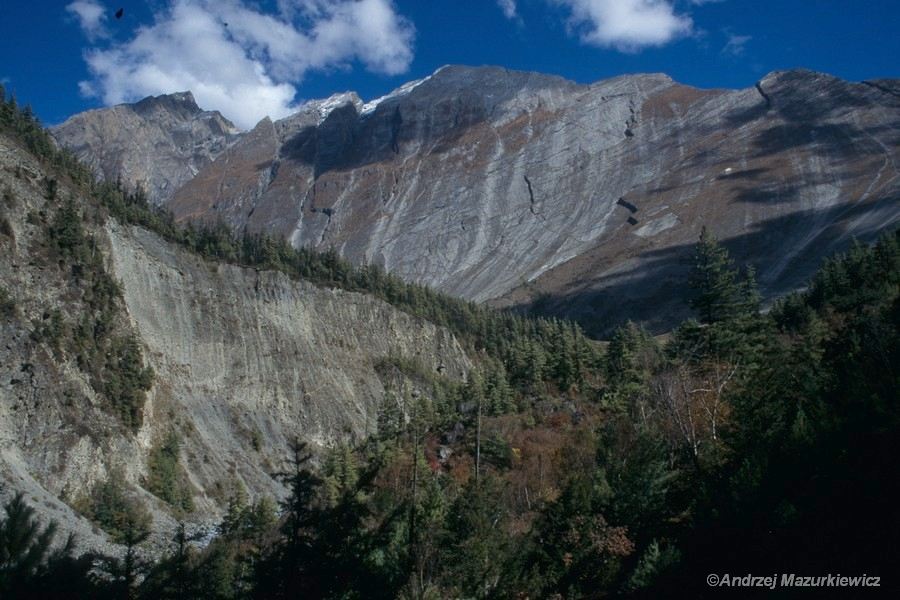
x=743, y=442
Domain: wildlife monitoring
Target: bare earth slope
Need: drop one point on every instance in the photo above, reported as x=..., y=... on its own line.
x=245, y=361
x=512, y=187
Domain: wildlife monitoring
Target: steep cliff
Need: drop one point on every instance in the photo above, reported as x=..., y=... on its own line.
x=244, y=360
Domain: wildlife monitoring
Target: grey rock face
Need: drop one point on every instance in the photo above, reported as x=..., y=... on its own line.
x=157, y=144
x=240, y=352
x=245, y=361
x=433, y=183
x=513, y=187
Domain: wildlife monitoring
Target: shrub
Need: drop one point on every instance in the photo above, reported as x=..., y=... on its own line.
x=6, y=228
x=165, y=477
x=125, y=380
x=51, y=329
x=109, y=506
x=9, y=200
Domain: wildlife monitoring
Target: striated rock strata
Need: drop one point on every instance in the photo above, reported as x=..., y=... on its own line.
x=520, y=188
x=245, y=361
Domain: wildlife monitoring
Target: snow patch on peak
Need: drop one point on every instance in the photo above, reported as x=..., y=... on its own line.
x=328, y=105
x=369, y=107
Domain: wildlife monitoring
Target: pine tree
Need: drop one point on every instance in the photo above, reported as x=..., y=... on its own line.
x=726, y=304
x=127, y=571
x=173, y=577
x=652, y=563
x=627, y=365
x=340, y=472
x=291, y=571
x=713, y=278
x=181, y=564
x=477, y=524
x=234, y=521
x=24, y=546
x=30, y=567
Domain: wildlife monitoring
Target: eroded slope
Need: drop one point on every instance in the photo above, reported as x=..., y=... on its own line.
x=244, y=360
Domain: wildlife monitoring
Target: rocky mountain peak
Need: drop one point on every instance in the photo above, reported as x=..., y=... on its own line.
x=180, y=104
x=324, y=107
x=157, y=144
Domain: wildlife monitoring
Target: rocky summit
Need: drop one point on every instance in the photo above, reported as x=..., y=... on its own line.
x=157, y=144
x=527, y=190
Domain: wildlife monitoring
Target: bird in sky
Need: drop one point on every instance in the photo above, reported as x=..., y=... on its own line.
x=119, y=13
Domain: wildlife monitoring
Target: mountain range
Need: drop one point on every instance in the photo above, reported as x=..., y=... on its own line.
x=152, y=374
x=530, y=191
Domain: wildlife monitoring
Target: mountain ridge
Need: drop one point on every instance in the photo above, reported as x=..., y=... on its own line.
x=507, y=186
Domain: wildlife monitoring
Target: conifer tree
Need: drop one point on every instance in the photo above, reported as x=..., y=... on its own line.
x=24, y=546
x=29, y=565
x=627, y=365
x=717, y=293
x=173, y=577
x=727, y=306
x=477, y=523
x=234, y=521
x=127, y=571
x=290, y=570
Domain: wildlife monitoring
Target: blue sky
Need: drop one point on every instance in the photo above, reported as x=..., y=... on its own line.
x=250, y=58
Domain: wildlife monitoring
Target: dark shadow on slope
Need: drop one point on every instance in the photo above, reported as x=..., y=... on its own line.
x=327, y=146
x=435, y=115
x=745, y=115
x=832, y=140
x=345, y=141
x=777, y=192
x=655, y=292
x=805, y=109
x=762, y=185
x=771, y=194
x=801, y=96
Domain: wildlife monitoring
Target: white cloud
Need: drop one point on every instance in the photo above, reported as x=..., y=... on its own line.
x=246, y=63
x=509, y=8
x=91, y=17
x=736, y=44
x=627, y=25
